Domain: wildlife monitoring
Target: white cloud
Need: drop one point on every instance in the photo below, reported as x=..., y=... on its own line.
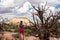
x=7, y=3
x=51, y=2
x=25, y=7
x=11, y=3
x=52, y=9
x=58, y=9
x=6, y=14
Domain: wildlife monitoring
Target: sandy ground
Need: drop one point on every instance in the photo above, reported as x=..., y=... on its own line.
x=8, y=36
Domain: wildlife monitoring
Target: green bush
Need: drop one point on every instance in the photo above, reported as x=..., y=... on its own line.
x=9, y=30
x=27, y=32
x=16, y=30
x=59, y=31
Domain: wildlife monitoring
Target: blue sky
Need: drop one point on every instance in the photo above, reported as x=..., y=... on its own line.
x=57, y=6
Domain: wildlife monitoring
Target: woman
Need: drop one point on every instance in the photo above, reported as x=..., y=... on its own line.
x=21, y=30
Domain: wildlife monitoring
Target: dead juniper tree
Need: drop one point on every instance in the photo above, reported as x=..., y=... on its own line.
x=42, y=29
x=45, y=27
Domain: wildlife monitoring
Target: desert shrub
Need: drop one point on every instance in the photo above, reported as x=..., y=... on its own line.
x=31, y=31
x=9, y=30
x=27, y=32
x=59, y=31
x=16, y=30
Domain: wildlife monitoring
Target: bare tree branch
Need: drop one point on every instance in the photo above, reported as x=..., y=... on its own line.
x=45, y=4
x=35, y=8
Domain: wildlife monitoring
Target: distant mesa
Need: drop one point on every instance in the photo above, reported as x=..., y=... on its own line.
x=16, y=21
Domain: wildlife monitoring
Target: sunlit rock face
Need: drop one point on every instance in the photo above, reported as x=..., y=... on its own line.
x=16, y=21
